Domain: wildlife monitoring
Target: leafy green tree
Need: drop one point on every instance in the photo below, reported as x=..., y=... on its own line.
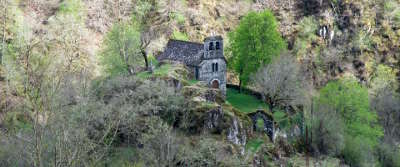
x=255, y=42
x=351, y=101
x=121, y=50
x=362, y=133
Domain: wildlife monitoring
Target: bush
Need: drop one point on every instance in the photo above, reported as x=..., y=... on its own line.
x=388, y=155
x=180, y=18
x=327, y=131
x=358, y=152
x=180, y=36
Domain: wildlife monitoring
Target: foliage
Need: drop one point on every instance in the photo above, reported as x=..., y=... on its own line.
x=392, y=11
x=307, y=34
x=388, y=155
x=10, y=18
x=357, y=151
x=362, y=41
x=279, y=115
x=74, y=7
x=180, y=36
x=210, y=152
x=121, y=49
x=255, y=42
x=254, y=144
x=160, y=147
x=244, y=102
x=180, y=18
x=383, y=78
x=350, y=100
x=387, y=104
x=327, y=131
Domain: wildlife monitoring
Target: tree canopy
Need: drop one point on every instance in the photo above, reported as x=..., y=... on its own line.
x=121, y=49
x=351, y=101
x=255, y=42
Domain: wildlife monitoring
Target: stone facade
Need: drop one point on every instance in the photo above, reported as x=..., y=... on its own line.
x=206, y=61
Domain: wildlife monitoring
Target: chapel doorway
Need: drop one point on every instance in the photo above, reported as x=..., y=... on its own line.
x=215, y=84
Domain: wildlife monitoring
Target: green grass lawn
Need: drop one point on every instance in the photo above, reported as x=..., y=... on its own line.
x=193, y=81
x=244, y=102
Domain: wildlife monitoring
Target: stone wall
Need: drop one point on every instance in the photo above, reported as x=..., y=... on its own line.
x=206, y=74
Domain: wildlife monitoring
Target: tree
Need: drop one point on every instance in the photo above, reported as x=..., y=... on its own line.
x=384, y=77
x=121, y=50
x=281, y=82
x=327, y=131
x=210, y=152
x=385, y=101
x=255, y=42
x=160, y=144
x=350, y=100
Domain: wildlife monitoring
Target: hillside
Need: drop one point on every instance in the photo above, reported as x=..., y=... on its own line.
x=333, y=25
x=81, y=85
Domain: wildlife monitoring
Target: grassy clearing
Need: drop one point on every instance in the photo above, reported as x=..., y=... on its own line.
x=193, y=81
x=161, y=71
x=244, y=102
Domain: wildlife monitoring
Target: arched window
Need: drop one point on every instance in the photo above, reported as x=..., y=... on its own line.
x=211, y=46
x=217, y=47
x=213, y=67
x=216, y=67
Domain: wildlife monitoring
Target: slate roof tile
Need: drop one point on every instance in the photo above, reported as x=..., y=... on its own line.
x=189, y=53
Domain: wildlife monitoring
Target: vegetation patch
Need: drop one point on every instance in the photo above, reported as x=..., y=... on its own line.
x=254, y=144
x=193, y=81
x=165, y=70
x=180, y=36
x=244, y=102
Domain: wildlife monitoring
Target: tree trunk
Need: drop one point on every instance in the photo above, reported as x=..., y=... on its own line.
x=240, y=86
x=240, y=80
x=270, y=103
x=146, y=61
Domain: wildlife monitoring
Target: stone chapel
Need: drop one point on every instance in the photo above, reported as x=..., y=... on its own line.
x=206, y=60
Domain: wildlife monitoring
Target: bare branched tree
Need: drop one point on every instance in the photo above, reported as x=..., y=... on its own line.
x=281, y=82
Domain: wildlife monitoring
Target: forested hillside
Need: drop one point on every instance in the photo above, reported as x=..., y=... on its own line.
x=81, y=85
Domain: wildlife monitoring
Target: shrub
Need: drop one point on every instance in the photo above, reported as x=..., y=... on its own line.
x=180, y=36
x=327, y=131
x=357, y=152
x=180, y=18
x=387, y=155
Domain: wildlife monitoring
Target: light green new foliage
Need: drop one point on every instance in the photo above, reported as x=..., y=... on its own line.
x=255, y=42
x=383, y=78
x=351, y=101
x=180, y=36
x=392, y=11
x=121, y=50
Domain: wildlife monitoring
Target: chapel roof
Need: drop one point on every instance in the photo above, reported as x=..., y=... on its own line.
x=189, y=53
